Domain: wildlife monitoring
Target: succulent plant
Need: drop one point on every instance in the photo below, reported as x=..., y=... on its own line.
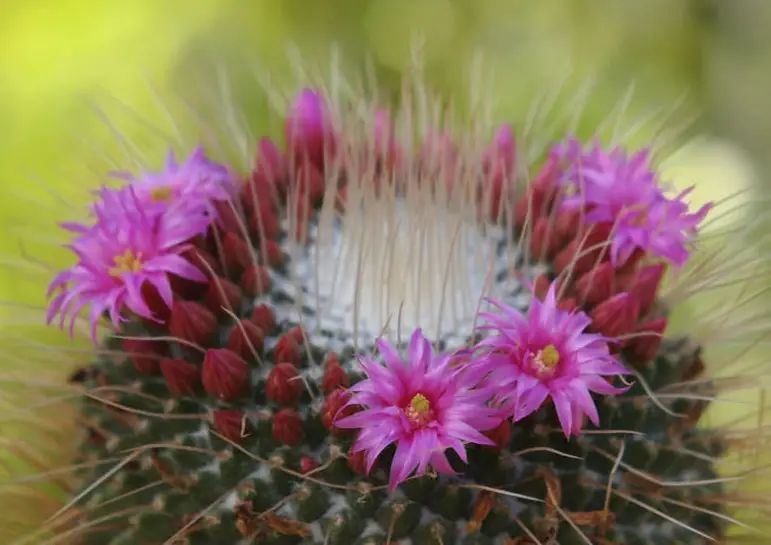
x=385, y=332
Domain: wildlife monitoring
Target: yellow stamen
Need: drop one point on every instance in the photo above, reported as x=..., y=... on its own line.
x=549, y=357
x=420, y=404
x=162, y=194
x=128, y=262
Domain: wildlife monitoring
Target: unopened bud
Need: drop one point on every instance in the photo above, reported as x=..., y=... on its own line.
x=287, y=427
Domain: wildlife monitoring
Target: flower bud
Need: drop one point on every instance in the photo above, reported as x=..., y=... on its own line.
x=192, y=322
x=145, y=354
x=308, y=464
x=646, y=285
x=232, y=424
x=246, y=340
x=225, y=375
x=223, y=295
x=287, y=350
x=181, y=377
x=357, y=461
x=644, y=346
x=283, y=385
x=287, y=427
x=236, y=254
x=616, y=316
x=256, y=280
x=308, y=130
x=334, y=377
x=597, y=285
x=263, y=317
x=331, y=411
x=272, y=253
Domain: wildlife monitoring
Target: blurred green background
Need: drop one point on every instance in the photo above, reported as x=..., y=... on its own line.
x=60, y=58
x=62, y=61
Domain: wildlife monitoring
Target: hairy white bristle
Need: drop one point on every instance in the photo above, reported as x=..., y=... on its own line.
x=409, y=249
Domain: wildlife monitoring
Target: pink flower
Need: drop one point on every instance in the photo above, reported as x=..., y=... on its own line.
x=425, y=404
x=197, y=181
x=624, y=191
x=546, y=355
x=308, y=128
x=119, y=254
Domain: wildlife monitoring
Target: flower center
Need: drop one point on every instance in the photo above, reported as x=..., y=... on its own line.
x=419, y=411
x=162, y=193
x=127, y=262
x=546, y=360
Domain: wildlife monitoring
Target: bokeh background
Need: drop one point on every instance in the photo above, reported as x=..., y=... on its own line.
x=61, y=59
x=65, y=62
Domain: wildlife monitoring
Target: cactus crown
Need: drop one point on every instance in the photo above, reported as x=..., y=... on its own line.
x=257, y=382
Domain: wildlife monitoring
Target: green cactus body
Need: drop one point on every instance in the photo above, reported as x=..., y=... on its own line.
x=226, y=435
x=215, y=422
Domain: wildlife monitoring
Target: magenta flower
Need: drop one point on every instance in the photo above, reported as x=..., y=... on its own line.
x=197, y=181
x=119, y=255
x=625, y=191
x=546, y=355
x=308, y=128
x=425, y=404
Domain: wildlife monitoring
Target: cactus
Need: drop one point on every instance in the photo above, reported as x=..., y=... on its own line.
x=238, y=310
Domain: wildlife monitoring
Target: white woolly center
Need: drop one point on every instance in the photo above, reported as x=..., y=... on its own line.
x=397, y=260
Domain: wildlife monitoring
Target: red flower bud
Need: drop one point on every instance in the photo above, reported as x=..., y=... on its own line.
x=331, y=411
x=236, y=254
x=616, y=316
x=263, y=317
x=308, y=464
x=181, y=377
x=287, y=427
x=287, y=349
x=222, y=295
x=357, y=461
x=264, y=224
x=500, y=435
x=584, y=252
x=644, y=346
x=271, y=163
x=646, y=285
x=232, y=424
x=332, y=359
x=311, y=183
x=145, y=354
x=201, y=260
x=192, y=322
x=256, y=280
x=541, y=286
x=229, y=218
x=544, y=240
x=283, y=385
x=272, y=253
x=568, y=304
x=225, y=375
x=334, y=377
x=298, y=334
x=567, y=224
x=246, y=340
x=597, y=285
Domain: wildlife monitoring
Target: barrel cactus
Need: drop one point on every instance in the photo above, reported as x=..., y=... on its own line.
x=389, y=330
